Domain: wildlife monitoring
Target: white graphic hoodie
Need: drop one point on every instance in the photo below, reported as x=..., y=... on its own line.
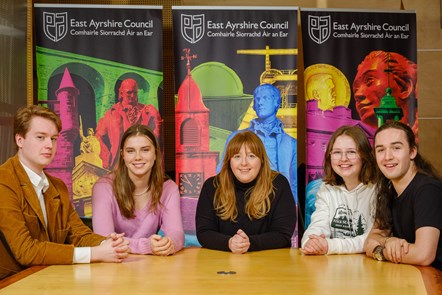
x=344, y=217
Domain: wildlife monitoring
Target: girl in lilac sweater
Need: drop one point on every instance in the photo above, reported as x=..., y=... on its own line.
x=137, y=199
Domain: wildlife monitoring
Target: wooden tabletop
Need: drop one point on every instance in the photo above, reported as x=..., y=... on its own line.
x=202, y=271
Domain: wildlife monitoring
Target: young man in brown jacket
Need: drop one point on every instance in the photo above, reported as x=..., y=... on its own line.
x=38, y=225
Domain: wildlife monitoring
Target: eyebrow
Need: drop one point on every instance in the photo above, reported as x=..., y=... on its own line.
x=46, y=133
x=391, y=143
x=367, y=73
x=141, y=147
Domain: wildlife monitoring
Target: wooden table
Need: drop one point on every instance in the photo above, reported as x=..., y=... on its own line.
x=195, y=271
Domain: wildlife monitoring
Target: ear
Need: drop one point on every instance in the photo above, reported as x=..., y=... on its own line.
x=315, y=94
x=19, y=140
x=406, y=90
x=413, y=153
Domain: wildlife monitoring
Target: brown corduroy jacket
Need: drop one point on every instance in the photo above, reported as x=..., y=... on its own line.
x=25, y=240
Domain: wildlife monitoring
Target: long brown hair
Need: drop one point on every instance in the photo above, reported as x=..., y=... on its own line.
x=386, y=191
x=122, y=184
x=261, y=194
x=368, y=170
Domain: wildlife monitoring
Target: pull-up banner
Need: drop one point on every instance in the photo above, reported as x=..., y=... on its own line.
x=100, y=68
x=221, y=55
x=360, y=69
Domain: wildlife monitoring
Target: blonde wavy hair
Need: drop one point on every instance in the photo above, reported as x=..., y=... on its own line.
x=260, y=196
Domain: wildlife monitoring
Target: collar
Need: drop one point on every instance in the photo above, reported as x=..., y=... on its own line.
x=356, y=189
x=244, y=186
x=273, y=127
x=40, y=182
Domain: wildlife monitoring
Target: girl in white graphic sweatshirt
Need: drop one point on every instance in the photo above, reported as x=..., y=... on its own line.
x=345, y=202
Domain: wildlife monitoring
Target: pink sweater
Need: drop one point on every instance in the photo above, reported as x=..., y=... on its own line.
x=107, y=218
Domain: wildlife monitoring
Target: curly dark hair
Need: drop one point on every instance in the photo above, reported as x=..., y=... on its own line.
x=386, y=192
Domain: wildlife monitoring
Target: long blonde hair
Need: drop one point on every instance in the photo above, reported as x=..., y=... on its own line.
x=123, y=186
x=260, y=196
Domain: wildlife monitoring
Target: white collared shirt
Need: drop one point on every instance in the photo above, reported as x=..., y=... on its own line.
x=41, y=184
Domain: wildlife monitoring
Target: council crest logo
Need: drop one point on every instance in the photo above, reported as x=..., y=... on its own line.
x=55, y=25
x=192, y=27
x=319, y=28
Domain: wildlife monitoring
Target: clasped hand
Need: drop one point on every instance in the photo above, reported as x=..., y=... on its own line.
x=239, y=243
x=162, y=246
x=114, y=249
x=316, y=245
x=395, y=248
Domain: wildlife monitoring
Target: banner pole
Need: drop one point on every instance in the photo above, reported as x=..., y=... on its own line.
x=29, y=54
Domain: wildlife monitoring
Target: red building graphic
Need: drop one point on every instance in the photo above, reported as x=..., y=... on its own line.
x=66, y=106
x=194, y=160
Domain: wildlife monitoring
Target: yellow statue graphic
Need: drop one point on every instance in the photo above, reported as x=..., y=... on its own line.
x=89, y=148
x=328, y=85
x=321, y=87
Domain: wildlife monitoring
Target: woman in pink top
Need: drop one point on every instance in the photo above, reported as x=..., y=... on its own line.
x=138, y=199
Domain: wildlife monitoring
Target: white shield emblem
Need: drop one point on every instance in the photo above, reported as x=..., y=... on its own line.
x=55, y=25
x=319, y=28
x=192, y=27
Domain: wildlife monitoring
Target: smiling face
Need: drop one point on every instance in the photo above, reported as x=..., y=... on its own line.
x=39, y=145
x=139, y=156
x=394, y=156
x=345, y=160
x=245, y=165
